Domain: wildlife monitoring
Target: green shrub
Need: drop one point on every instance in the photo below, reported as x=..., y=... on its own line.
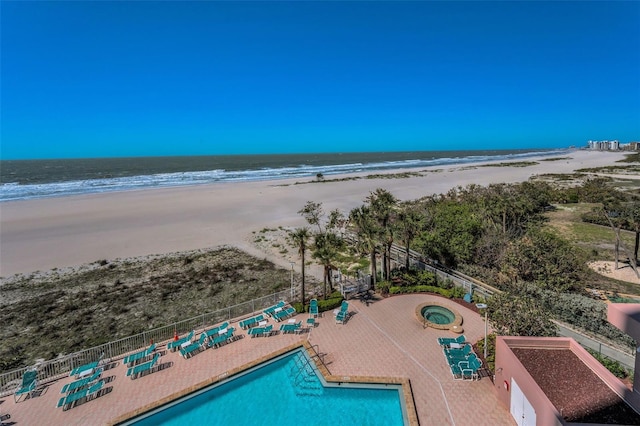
x=383, y=287
x=420, y=289
x=299, y=307
x=329, y=304
x=491, y=350
x=335, y=295
x=610, y=364
x=457, y=292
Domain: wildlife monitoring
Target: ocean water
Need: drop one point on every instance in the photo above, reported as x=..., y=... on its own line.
x=27, y=179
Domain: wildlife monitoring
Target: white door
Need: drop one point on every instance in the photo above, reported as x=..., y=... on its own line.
x=521, y=410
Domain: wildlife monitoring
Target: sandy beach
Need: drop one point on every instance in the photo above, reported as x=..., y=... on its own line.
x=42, y=234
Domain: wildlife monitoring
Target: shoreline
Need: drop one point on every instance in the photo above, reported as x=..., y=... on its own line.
x=62, y=232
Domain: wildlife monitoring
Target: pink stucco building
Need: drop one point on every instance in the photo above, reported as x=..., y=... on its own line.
x=555, y=381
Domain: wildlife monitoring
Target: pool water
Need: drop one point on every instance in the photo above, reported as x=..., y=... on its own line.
x=285, y=390
x=438, y=315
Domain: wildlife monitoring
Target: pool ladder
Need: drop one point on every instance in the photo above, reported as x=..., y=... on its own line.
x=305, y=380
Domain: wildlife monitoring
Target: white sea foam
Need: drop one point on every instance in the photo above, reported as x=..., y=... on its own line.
x=11, y=191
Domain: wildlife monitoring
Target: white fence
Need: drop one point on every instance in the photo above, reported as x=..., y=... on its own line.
x=60, y=367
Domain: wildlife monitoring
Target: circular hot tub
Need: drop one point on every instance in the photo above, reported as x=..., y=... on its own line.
x=439, y=316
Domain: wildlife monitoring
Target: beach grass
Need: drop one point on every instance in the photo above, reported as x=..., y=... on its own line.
x=62, y=311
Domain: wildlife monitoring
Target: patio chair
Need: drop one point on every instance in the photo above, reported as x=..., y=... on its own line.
x=284, y=314
x=446, y=341
x=28, y=385
x=271, y=309
x=71, y=399
x=341, y=316
x=130, y=359
x=260, y=331
x=470, y=368
x=134, y=372
x=221, y=339
x=291, y=328
x=313, y=308
x=255, y=331
x=188, y=351
x=311, y=322
x=245, y=324
x=81, y=383
x=175, y=344
x=458, y=353
x=86, y=369
x=457, y=359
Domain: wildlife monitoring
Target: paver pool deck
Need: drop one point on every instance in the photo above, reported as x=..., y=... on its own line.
x=382, y=339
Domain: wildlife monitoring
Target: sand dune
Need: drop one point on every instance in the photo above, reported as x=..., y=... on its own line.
x=64, y=232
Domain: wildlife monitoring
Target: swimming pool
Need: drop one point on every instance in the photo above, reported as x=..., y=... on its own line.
x=288, y=389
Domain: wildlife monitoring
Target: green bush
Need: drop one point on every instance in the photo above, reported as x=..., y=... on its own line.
x=491, y=350
x=335, y=295
x=299, y=307
x=329, y=304
x=383, y=287
x=420, y=289
x=610, y=364
x=457, y=292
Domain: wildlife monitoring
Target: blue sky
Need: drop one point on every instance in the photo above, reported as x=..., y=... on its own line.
x=109, y=79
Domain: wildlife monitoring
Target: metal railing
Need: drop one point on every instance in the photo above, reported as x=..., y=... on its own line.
x=60, y=367
x=417, y=260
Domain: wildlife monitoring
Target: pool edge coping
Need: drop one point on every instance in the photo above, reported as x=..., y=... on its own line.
x=405, y=383
x=457, y=320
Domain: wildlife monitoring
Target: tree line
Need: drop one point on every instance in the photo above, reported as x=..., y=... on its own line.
x=496, y=233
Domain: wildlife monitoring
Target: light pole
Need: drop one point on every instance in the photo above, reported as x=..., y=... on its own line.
x=484, y=306
x=292, y=263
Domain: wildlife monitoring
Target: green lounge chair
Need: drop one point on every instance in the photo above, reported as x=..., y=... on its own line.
x=188, y=351
x=470, y=368
x=284, y=314
x=271, y=309
x=130, y=359
x=311, y=322
x=134, y=372
x=29, y=383
x=256, y=331
x=81, y=383
x=175, y=344
x=446, y=341
x=260, y=331
x=457, y=361
x=291, y=328
x=71, y=399
x=212, y=333
x=85, y=369
x=341, y=316
x=459, y=352
x=221, y=339
x=245, y=324
x=313, y=308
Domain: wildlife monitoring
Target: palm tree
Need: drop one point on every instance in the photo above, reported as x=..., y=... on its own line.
x=382, y=204
x=326, y=247
x=409, y=225
x=366, y=233
x=299, y=238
